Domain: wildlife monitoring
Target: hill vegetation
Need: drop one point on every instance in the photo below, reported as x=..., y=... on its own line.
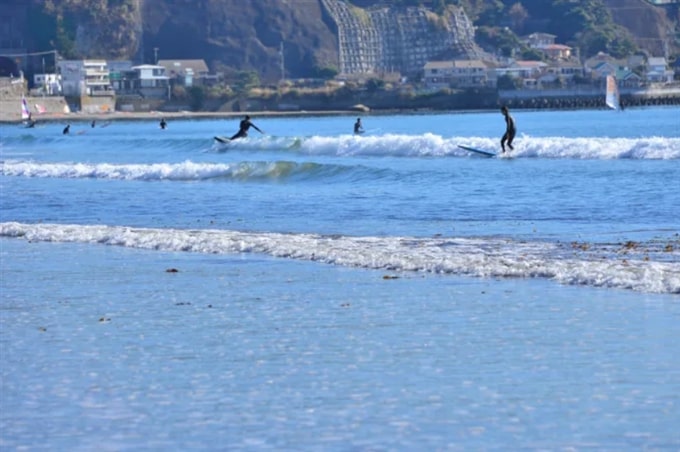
x=238, y=35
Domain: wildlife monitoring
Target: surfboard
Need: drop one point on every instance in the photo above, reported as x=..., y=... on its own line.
x=478, y=151
x=222, y=139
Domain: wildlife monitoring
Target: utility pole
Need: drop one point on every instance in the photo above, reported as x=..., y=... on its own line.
x=44, y=78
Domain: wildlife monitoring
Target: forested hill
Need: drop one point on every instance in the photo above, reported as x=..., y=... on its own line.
x=247, y=34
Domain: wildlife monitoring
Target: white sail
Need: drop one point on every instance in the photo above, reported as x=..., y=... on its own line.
x=612, y=96
x=25, y=112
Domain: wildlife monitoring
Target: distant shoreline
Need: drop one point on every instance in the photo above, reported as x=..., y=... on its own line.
x=534, y=104
x=157, y=115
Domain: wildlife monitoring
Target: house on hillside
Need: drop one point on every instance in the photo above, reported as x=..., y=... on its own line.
x=596, y=60
x=627, y=78
x=545, y=43
x=523, y=69
x=566, y=70
x=658, y=71
x=187, y=72
x=535, y=40
x=603, y=69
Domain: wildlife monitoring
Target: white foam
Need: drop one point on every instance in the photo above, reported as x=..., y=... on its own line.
x=432, y=145
x=658, y=271
x=183, y=171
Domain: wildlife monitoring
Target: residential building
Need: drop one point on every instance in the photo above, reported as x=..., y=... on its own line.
x=545, y=43
x=566, y=70
x=84, y=77
x=595, y=61
x=626, y=78
x=658, y=71
x=147, y=81
x=186, y=72
x=48, y=84
x=603, y=69
x=523, y=69
x=456, y=73
x=556, y=51
x=536, y=40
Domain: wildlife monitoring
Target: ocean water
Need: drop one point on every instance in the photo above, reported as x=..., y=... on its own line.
x=308, y=289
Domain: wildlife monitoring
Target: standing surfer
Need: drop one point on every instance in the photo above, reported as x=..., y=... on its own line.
x=67, y=129
x=358, y=128
x=163, y=124
x=509, y=129
x=243, y=127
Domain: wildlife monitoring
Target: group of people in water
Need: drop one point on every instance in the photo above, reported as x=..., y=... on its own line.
x=507, y=138
x=246, y=124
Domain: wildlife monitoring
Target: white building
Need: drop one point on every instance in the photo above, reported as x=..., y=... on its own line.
x=523, y=69
x=84, y=78
x=146, y=80
x=456, y=73
x=49, y=84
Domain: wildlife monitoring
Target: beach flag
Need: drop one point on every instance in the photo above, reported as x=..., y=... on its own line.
x=25, y=113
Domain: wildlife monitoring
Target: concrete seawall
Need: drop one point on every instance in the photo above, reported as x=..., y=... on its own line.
x=10, y=109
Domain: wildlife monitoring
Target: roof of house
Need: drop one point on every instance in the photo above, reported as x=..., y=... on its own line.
x=656, y=61
x=626, y=74
x=148, y=66
x=554, y=47
x=539, y=35
x=529, y=64
x=438, y=65
x=469, y=64
x=180, y=67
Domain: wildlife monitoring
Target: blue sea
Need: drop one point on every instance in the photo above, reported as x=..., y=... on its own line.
x=308, y=289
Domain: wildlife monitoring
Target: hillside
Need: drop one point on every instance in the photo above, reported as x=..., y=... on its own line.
x=238, y=35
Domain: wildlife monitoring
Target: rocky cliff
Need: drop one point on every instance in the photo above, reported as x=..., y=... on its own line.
x=654, y=28
x=245, y=35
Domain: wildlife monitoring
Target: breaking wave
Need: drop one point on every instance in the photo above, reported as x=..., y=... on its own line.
x=651, y=266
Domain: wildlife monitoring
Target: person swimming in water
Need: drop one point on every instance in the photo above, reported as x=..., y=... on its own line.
x=358, y=128
x=510, y=130
x=243, y=127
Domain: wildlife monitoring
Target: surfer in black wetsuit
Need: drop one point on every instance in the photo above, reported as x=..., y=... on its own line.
x=358, y=128
x=67, y=129
x=509, y=129
x=163, y=124
x=243, y=127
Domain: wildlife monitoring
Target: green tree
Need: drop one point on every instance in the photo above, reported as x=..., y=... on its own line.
x=375, y=84
x=325, y=72
x=196, y=97
x=518, y=14
x=245, y=81
x=506, y=82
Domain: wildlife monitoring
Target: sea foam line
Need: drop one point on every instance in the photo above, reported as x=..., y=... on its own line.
x=482, y=257
x=185, y=171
